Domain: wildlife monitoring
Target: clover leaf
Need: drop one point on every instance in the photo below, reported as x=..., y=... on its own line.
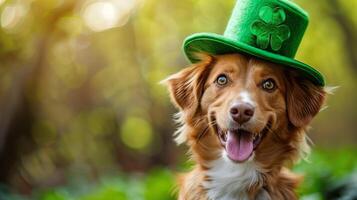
x=269, y=28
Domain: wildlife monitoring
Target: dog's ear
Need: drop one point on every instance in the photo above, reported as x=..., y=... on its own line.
x=304, y=100
x=187, y=86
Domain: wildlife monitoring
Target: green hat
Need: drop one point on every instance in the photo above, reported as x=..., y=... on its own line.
x=267, y=29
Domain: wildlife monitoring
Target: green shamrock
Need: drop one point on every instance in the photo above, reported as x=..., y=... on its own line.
x=269, y=28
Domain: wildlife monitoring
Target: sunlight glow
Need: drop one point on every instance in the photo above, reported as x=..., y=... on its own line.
x=1, y=2
x=12, y=15
x=106, y=14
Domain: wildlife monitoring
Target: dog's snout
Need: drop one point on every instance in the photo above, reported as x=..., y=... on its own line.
x=242, y=112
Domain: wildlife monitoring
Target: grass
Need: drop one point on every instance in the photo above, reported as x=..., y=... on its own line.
x=325, y=167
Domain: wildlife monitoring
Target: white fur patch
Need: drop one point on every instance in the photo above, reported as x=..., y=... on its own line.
x=245, y=96
x=229, y=180
x=180, y=134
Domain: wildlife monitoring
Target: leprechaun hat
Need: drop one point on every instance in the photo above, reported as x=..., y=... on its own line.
x=268, y=29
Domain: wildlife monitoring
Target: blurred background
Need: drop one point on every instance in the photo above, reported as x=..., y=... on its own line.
x=82, y=116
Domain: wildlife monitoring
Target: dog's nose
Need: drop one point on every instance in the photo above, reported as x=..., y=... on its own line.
x=242, y=112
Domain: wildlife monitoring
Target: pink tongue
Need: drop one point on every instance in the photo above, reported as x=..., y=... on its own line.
x=239, y=146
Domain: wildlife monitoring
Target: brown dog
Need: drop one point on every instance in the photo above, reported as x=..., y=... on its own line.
x=244, y=121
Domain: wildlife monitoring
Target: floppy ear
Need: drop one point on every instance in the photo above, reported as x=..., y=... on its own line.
x=187, y=86
x=304, y=100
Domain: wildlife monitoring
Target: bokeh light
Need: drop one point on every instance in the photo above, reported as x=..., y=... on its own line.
x=136, y=133
x=106, y=14
x=12, y=15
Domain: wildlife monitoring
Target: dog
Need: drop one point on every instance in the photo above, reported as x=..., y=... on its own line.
x=244, y=120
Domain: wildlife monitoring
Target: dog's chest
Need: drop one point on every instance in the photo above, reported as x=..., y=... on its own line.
x=229, y=181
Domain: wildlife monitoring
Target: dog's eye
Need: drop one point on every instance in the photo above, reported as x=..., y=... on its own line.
x=269, y=85
x=222, y=80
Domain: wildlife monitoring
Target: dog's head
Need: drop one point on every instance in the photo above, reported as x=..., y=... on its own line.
x=249, y=105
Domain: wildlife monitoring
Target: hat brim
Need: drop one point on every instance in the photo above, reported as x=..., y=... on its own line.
x=216, y=44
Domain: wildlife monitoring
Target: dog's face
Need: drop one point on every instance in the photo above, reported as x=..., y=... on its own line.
x=248, y=104
x=243, y=100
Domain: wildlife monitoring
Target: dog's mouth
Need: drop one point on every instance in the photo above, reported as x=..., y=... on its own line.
x=240, y=143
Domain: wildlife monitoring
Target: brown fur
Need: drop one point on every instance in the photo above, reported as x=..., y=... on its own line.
x=289, y=110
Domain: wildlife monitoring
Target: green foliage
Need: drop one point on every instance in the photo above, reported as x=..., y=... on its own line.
x=323, y=169
x=106, y=193
x=159, y=185
x=54, y=195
